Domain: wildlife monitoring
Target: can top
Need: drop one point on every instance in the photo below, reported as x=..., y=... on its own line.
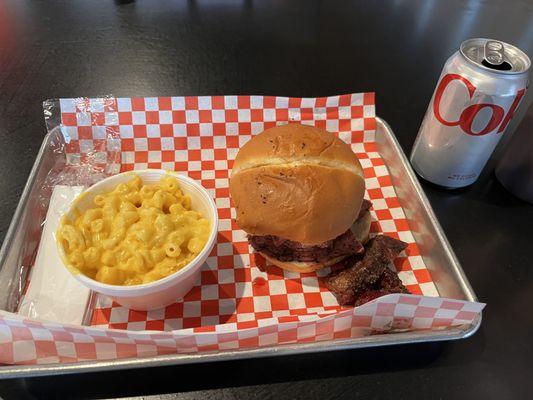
x=495, y=56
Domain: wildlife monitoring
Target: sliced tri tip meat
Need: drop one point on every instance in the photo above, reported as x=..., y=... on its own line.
x=288, y=250
x=371, y=275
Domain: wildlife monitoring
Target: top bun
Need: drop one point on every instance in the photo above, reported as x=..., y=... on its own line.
x=297, y=182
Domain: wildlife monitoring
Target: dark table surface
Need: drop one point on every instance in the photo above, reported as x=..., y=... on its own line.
x=298, y=48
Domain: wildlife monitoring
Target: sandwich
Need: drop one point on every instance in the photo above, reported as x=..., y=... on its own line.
x=298, y=194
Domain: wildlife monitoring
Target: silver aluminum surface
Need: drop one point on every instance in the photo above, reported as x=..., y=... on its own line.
x=448, y=275
x=469, y=113
x=477, y=50
x=20, y=242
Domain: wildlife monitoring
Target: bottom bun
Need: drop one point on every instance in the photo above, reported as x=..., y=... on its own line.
x=361, y=230
x=300, y=266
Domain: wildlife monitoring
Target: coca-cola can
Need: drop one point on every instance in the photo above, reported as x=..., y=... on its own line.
x=478, y=92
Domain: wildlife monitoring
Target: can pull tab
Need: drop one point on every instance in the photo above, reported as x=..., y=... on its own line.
x=494, y=52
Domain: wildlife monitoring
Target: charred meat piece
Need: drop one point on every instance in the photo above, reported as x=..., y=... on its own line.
x=388, y=283
x=391, y=283
x=366, y=274
x=287, y=250
x=369, y=295
x=382, y=247
x=347, y=263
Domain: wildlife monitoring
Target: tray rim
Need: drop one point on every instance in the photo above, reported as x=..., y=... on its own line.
x=463, y=280
x=388, y=339
x=26, y=371
x=24, y=198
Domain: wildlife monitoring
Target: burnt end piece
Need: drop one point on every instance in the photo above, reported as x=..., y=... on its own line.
x=368, y=295
x=388, y=283
x=387, y=245
x=369, y=275
x=391, y=282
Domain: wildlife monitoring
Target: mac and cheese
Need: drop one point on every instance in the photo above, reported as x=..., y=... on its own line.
x=135, y=234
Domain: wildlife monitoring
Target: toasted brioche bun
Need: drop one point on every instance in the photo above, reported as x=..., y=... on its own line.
x=297, y=182
x=361, y=230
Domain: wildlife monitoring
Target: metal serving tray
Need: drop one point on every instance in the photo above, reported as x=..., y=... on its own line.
x=447, y=274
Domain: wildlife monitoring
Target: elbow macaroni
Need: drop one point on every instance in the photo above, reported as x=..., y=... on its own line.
x=135, y=234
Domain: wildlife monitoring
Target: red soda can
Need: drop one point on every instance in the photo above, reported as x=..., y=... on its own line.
x=479, y=90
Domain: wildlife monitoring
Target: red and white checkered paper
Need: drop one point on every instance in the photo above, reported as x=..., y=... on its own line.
x=236, y=303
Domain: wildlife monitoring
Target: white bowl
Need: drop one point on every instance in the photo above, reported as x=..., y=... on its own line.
x=165, y=291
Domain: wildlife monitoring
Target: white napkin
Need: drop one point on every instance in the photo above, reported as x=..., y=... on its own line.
x=53, y=293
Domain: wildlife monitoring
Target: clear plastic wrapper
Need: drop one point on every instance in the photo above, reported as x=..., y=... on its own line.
x=86, y=150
